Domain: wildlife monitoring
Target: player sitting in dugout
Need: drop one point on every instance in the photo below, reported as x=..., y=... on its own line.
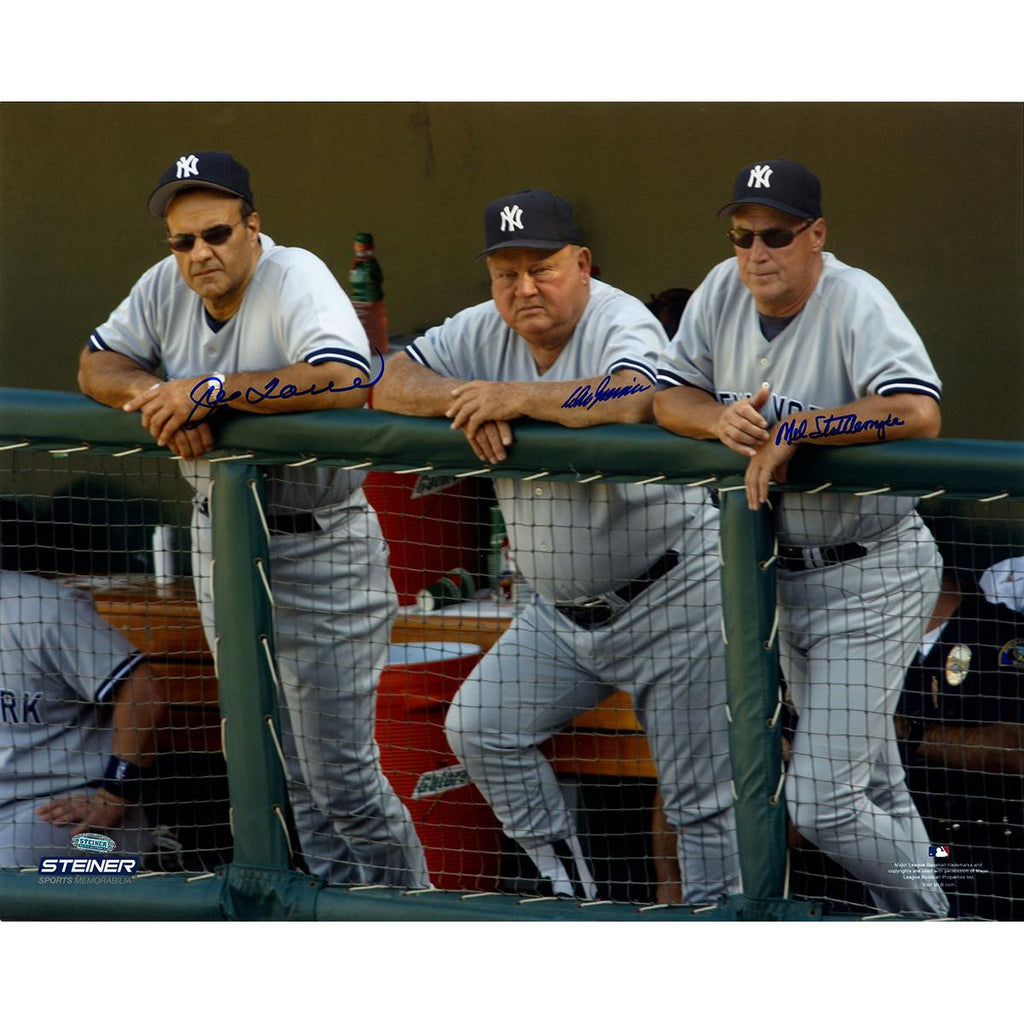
x=79, y=717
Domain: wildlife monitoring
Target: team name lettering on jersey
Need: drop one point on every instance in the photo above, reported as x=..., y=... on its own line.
x=19, y=713
x=778, y=407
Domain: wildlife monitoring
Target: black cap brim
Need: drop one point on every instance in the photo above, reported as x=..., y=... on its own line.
x=162, y=195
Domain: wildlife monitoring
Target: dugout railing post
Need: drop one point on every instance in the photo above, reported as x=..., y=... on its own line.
x=260, y=882
x=752, y=672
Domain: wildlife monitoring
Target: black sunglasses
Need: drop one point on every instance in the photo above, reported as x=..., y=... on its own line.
x=774, y=238
x=217, y=235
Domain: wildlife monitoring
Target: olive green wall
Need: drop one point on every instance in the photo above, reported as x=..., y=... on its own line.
x=927, y=197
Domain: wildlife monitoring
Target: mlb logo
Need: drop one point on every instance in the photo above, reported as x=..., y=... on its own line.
x=938, y=851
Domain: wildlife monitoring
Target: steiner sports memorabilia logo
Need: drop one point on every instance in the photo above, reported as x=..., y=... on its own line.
x=93, y=841
x=439, y=781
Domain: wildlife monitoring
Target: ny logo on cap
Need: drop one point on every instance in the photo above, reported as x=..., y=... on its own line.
x=759, y=175
x=511, y=218
x=187, y=165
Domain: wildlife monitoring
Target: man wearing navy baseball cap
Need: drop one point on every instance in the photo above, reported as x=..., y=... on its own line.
x=783, y=345
x=625, y=578
x=231, y=318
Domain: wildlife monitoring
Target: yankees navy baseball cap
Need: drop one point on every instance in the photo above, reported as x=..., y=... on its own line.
x=781, y=184
x=208, y=169
x=530, y=219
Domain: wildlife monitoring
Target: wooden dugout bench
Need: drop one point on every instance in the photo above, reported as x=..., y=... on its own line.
x=163, y=621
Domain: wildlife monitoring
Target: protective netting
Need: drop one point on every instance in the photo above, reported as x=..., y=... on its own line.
x=518, y=685
x=952, y=716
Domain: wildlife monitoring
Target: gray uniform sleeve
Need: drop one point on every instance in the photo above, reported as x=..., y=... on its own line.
x=688, y=358
x=134, y=328
x=886, y=354
x=462, y=344
x=318, y=322
x=627, y=336
x=78, y=646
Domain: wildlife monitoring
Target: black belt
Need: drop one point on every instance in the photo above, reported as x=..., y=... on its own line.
x=281, y=523
x=599, y=612
x=801, y=559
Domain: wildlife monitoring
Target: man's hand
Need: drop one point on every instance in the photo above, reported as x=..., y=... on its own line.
x=86, y=811
x=741, y=426
x=479, y=401
x=171, y=407
x=769, y=465
x=492, y=441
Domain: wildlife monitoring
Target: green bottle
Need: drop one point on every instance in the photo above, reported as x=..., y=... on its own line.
x=365, y=280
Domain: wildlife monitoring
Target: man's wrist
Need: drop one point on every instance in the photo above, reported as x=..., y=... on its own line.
x=122, y=779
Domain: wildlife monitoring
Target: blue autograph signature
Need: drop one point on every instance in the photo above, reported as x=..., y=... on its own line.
x=586, y=398
x=826, y=426
x=208, y=393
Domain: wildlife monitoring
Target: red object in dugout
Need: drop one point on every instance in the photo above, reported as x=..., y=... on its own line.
x=427, y=536
x=459, y=832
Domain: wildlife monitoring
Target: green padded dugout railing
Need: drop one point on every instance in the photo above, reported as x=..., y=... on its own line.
x=258, y=885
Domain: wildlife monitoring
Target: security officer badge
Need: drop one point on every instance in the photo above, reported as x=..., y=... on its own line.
x=957, y=663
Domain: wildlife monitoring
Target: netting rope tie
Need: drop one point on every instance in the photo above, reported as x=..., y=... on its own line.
x=417, y=469
x=996, y=497
x=232, y=458
x=734, y=487
x=254, y=491
x=591, y=479
x=129, y=451
x=268, y=721
x=265, y=644
x=732, y=786
x=702, y=483
x=17, y=444
x=704, y=909
x=200, y=878
x=595, y=903
x=358, y=465
x=764, y=566
x=770, y=642
x=367, y=888
x=933, y=494
x=216, y=640
x=773, y=800
x=539, y=899
x=68, y=451
x=303, y=462
x=224, y=736
x=819, y=488
x=279, y=814
x=464, y=896
x=728, y=714
x=653, y=906
x=418, y=892
x=877, y=490
x=266, y=583
x=773, y=721
x=473, y=472
x=535, y=476
x=651, y=479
